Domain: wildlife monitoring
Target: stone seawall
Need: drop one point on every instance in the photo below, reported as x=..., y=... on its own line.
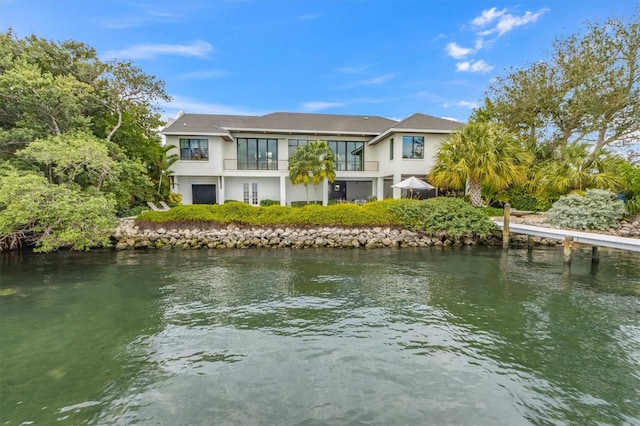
x=129, y=236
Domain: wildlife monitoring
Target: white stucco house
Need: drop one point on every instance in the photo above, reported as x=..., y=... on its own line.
x=233, y=157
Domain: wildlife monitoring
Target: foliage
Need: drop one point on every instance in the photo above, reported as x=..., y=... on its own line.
x=174, y=199
x=52, y=216
x=304, y=203
x=631, y=187
x=521, y=199
x=267, y=202
x=443, y=214
x=480, y=153
x=88, y=127
x=597, y=209
x=585, y=92
x=312, y=163
x=490, y=211
x=576, y=168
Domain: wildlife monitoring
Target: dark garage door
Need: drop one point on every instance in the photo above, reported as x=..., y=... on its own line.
x=203, y=194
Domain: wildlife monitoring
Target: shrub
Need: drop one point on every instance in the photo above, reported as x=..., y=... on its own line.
x=451, y=215
x=267, y=203
x=304, y=203
x=520, y=199
x=174, y=199
x=597, y=209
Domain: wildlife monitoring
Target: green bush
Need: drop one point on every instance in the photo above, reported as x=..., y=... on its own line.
x=451, y=215
x=596, y=209
x=304, y=203
x=174, y=199
x=520, y=199
x=267, y=203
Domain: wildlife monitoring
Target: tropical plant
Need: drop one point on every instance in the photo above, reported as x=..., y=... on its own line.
x=312, y=163
x=596, y=209
x=480, y=153
x=577, y=168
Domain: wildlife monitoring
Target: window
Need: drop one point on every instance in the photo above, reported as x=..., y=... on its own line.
x=349, y=155
x=294, y=143
x=391, y=149
x=194, y=149
x=257, y=154
x=250, y=197
x=413, y=147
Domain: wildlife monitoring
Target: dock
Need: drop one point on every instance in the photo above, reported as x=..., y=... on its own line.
x=590, y=238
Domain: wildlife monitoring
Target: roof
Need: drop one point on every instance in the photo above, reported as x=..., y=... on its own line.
x=223, y=125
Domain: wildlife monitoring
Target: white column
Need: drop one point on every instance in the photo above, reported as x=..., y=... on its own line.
x=397, y=192
x=325, y=192
x=380, y=191
x=221, y=186
x=283, y=190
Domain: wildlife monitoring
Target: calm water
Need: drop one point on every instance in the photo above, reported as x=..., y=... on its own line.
x=320, y=337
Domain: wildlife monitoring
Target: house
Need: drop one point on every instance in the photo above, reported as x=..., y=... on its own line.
x=234, y=157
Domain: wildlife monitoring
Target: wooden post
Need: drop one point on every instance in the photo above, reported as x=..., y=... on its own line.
x=530, y=242
x=595, y=258
x=567, y=249
x=505, y=229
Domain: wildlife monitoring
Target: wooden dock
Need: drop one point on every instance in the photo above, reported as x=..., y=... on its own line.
x=590, y=238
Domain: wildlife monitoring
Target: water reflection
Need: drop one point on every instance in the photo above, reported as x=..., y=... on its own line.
x=443, y=336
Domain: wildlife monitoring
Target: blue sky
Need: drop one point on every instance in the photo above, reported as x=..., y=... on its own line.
x=373, y=57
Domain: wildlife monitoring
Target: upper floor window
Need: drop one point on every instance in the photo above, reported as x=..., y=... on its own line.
x=194, y=149
x=391, y=149
x=257, y=154
x=413, y=147
x=294, y=143
x=349, y=154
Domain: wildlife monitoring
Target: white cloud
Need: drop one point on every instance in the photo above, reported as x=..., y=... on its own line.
x=180, y=103
x=318, y=106
x=140, y=19
x=473, y=66
x=354, y=70
x=204, y=75
x=370, y=82
x=463, y=104
x=458, y=52
x=503, y=22
x=488, y=16
x=198, y=48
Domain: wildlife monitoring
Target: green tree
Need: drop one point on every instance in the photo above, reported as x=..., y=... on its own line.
x=577, y=168
x=50, y=216
x=480, y=154
x=588, y=91
x=312, y=163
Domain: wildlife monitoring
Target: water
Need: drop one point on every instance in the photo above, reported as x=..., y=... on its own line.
x=320, y=337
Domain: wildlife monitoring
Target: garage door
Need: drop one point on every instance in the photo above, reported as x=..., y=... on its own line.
x=203, y=194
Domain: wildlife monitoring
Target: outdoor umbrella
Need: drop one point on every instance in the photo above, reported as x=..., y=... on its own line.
x=414, y=183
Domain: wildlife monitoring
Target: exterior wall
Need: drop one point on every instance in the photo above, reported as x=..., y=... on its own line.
x=210, y=167
x=268, y=187
x=376, y=180
x=183, y=186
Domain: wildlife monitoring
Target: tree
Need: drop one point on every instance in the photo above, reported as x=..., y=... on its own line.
x=577, y=168
x=50, y=216
x=588, y=91
x=480, y=153
x=312, y=163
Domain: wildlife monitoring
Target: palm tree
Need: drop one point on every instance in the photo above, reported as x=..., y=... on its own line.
x=480, y=153
x=576, y=167
x=312, y=163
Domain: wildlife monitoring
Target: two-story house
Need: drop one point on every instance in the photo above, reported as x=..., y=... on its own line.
x=233, y=157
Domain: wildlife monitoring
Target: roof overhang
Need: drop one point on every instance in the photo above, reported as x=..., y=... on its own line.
x=393, y=130
x=300, y=131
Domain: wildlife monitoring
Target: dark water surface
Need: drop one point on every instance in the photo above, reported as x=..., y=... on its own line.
x=320, y=337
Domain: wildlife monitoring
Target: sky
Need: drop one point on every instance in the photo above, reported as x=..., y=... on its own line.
x=389, y=58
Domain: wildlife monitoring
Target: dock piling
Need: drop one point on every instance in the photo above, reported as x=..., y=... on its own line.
x=505, y=229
